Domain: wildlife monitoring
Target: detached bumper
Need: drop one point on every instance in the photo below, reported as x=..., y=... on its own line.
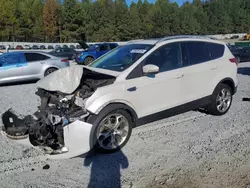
x=77, y=135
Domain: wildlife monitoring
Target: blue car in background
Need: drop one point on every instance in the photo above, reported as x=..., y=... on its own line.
x=94, y=51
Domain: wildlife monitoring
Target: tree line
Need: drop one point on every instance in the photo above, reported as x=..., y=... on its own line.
x=114, y=20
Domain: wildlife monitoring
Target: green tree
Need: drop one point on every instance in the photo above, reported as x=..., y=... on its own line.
x=50, y=19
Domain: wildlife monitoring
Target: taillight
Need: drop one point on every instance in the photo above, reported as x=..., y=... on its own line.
x=234, y=60
x=65, y=60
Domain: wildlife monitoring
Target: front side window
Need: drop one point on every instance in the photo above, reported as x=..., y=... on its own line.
x=167, y=57
x=121, y=57
x=9, y=59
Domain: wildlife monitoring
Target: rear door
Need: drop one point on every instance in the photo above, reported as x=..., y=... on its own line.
x=200, y=68
x=103, y=48
x=35, y=62
x=11, y=66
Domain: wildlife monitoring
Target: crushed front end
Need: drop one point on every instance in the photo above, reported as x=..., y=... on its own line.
x=58, y=114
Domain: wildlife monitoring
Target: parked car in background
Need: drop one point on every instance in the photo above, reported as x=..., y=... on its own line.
x=2, y=47
x=65, y=46
x=57, y=46
x=42, y=47
x=72, y=47
x=63, y=52
x=242, y=54
x=27, y=66
x=50, y=47
x=27, y=47
x=19, y=47
x=78, y=47
x=94, y=52
x=35, y=47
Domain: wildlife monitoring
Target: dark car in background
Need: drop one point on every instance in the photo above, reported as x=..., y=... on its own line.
x=42, y=47
x=242, y=54
x=64, y=52
x=35, y=47
x=94, y=52
x=50, y=47
x=2, y=47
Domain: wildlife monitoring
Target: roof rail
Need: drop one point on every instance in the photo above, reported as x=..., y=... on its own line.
x=130, y=41
x=185, y=36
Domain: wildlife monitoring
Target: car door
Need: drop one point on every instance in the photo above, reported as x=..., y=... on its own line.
x=103, y=48
x=35, y=62
x=199, y=69
x=11, y=66
x=150, y=94
x=245, y=55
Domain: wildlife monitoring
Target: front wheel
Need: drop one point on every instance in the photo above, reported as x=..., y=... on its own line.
x=221, y=100
x=88, y=60
x=111, y=130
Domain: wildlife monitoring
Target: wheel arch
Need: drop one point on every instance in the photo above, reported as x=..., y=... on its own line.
x=119, y=105
x=47, y=68
x=230, y=82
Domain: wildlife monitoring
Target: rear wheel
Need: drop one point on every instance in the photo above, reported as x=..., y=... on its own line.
x=221, y=100
x=49, y=71
x=88, y=60
x=112, y=130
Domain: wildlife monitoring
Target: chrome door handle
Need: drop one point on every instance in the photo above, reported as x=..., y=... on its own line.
x=42, y=62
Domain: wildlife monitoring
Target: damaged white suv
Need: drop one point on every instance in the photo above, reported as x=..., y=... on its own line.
x=96, y=106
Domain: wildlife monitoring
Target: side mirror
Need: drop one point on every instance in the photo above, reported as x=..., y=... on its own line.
x=150, y=69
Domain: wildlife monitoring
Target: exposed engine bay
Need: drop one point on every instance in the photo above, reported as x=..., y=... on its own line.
x=57, y=109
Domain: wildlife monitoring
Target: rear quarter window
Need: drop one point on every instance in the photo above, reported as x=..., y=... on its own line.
x=195, y=52
x=216, y=50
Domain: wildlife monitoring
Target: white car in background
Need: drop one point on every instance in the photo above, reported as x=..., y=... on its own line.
x=97, y=106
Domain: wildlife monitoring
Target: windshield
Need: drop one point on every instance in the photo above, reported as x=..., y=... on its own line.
x=122, y=57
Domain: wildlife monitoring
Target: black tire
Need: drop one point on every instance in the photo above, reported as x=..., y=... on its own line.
x=88, y=60
x=49, y=71
x=213, y=106
x=95, y=120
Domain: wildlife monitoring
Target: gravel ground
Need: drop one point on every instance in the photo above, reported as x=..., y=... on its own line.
x=188, y=150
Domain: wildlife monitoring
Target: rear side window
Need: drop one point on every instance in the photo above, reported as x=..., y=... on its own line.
x=112, y=46
x=35, y=57
x=196, y=52
x=216, y=50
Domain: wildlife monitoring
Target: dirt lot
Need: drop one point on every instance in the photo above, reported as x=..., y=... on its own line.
x=188, y=150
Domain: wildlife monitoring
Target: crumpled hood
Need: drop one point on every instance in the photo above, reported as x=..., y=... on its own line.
x=67, y=80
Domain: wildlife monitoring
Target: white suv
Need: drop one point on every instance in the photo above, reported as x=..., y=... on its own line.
x=140, y=82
